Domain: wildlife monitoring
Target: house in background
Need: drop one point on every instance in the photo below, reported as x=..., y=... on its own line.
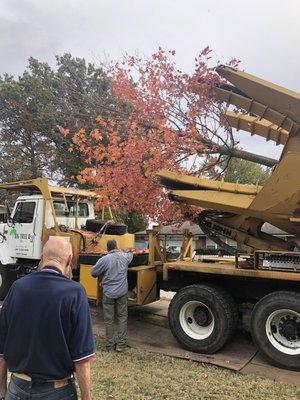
x=171, y=236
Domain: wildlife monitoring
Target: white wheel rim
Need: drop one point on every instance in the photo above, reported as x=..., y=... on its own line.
x=283, y=331
x=196, y=320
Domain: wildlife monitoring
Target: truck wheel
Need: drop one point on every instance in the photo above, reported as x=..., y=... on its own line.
x=202, y=318
x=275, y=328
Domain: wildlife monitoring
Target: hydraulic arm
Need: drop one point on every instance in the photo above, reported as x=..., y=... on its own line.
x=239, y=211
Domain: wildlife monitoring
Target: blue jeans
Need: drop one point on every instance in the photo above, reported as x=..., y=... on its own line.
x=18, y=389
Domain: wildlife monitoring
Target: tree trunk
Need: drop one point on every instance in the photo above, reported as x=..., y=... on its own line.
x=246, y=155
x=215, y=148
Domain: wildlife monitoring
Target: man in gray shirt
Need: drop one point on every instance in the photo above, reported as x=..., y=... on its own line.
x=113, y=269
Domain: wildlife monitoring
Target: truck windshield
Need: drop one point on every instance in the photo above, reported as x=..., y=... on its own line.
x=62, y=211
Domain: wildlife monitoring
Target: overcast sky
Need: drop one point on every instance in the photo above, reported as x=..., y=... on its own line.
x=263, y=34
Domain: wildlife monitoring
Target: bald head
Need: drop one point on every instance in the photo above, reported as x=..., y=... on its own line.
x=57, y=252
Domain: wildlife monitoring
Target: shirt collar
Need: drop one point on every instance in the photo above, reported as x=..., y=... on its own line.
x=113, y=251
x=51, y=268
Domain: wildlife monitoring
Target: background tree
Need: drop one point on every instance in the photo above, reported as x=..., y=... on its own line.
x=135, y=221
x=242, y=171
x=34, y=105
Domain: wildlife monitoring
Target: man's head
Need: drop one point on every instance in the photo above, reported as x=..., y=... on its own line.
x=111, y=245
x=57, y=252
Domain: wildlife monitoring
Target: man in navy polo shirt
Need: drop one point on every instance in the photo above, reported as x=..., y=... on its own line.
x=46, y=331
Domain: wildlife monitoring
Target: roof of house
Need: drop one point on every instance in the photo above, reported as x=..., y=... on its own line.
x=177, y=229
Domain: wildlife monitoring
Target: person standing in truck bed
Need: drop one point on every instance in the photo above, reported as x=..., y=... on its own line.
x=113, y=269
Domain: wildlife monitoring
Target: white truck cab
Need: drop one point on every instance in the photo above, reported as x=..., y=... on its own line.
x=23, y=230
x=43, y=210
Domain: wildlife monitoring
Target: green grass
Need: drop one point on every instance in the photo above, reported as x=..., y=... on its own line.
x=140, y=375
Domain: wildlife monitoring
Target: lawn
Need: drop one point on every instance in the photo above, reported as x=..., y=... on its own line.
x=140, y=375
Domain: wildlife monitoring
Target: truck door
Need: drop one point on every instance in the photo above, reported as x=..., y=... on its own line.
x=24, y=236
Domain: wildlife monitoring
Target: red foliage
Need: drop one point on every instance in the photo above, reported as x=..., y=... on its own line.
x=163, y=119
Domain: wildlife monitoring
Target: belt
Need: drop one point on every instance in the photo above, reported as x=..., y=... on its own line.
x=56, y=383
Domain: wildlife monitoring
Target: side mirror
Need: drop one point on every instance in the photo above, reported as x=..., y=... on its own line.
x=10, y=221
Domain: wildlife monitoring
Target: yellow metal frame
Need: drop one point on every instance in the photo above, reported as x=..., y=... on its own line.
x=271, y=96
x=226, y=269
x=146, y=284
x=176, y=181
x=257, y=126
x=91, y=285
x=273, y=113
x=41, y=185
x=156, y=256
x=186, y=248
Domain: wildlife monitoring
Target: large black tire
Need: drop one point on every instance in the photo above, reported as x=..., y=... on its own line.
x=202, y=318
x=275, y=329
x=95, y=225
x=7, y=277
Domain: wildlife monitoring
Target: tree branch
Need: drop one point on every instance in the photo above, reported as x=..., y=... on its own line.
x=238, y=153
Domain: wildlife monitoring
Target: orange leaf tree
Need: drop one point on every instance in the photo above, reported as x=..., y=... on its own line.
x=158, y=121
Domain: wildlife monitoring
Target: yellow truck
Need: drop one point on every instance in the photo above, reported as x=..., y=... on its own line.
x=265, y=275
x=43, y=210
x=211, y=294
